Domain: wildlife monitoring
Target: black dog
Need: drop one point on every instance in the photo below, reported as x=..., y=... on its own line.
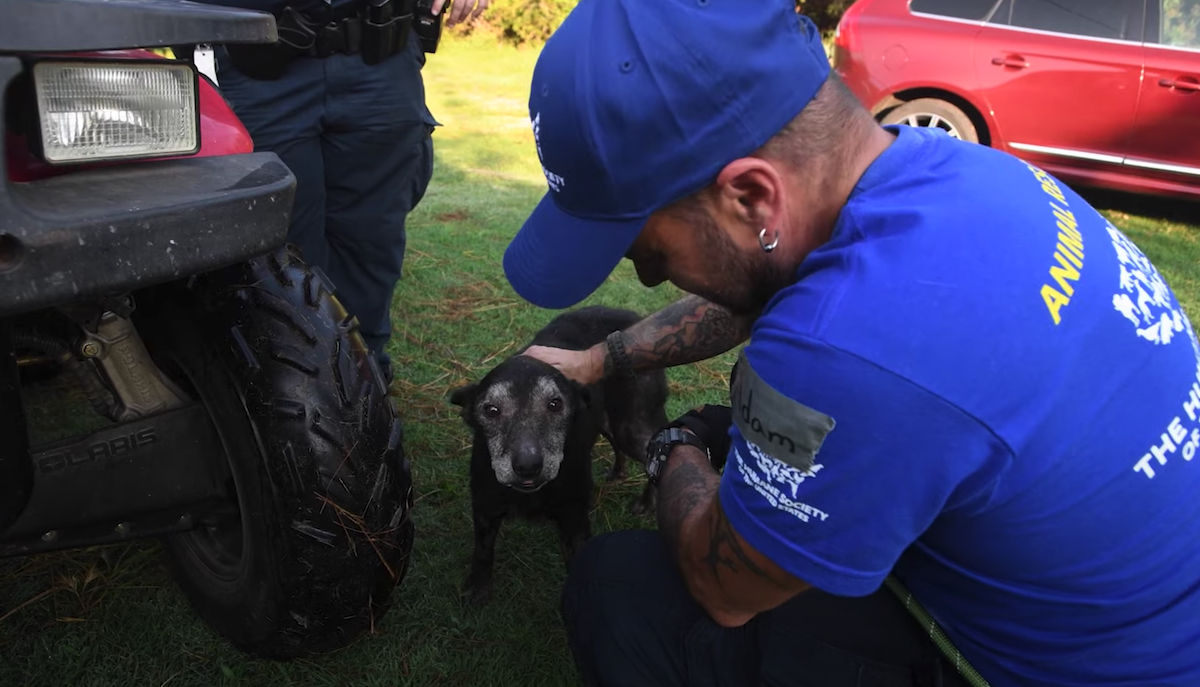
x=534, y=430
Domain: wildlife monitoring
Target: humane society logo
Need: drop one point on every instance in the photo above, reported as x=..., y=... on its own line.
x=1145, y=300
x=556, y=182
x=778, y=482
x=1143, y=297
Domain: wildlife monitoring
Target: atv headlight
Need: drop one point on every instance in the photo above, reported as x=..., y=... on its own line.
x=93, y=111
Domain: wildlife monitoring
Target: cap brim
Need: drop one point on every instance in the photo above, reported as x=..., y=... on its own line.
x=557, y=260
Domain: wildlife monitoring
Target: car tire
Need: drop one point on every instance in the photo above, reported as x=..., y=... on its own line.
x=322, y=532
x=934, y=113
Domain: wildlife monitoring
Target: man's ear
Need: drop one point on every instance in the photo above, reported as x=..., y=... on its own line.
x=750, y=191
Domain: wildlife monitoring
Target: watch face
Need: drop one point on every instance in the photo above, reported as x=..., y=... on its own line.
x=655, y=446
x=660, y=447
x=654, y=463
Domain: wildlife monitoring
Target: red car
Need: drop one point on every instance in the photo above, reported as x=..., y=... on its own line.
x=1101, y=93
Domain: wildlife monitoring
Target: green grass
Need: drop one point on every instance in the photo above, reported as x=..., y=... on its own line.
x=111, y=616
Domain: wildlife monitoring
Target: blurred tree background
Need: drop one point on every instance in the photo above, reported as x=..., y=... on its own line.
x=1181, y=23
x=531, y=22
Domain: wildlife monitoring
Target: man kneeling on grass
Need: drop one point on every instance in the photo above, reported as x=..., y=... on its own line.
x=960, y=382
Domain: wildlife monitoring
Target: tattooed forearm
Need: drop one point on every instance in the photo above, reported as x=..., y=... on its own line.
x=687, y=498
x=689, y=330
x=683, y=489
x=731, y=580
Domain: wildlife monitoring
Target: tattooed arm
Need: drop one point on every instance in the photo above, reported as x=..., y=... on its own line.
x=689, y=330
x=727, y=576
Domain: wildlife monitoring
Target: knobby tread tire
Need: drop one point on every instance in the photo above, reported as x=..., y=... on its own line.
x=324, y=486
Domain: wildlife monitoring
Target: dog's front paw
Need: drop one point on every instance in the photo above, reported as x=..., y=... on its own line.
x=616, y=473
x=476, y=593
x=477, y=588
x=645, y=505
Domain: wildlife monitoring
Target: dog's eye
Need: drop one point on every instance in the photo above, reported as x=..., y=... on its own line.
x=555, y=405
x=491, y=410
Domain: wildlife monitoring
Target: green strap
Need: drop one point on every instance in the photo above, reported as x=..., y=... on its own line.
x=935, y=632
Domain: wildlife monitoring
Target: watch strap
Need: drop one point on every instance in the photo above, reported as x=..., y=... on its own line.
x=661, y=446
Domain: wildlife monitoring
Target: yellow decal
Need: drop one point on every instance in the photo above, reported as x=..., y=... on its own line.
x=1068, y=253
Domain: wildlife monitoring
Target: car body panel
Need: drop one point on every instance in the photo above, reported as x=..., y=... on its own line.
x=1166, y=135
x=1036, y=90
x=1090, y=108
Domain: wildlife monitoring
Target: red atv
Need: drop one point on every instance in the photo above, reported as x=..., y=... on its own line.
x=142, y=258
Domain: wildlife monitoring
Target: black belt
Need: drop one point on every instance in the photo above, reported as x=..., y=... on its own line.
x=376, y=32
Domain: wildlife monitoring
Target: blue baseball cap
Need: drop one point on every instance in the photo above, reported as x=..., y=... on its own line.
x=636, y=104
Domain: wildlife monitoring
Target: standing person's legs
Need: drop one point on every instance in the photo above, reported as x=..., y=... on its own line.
x=378, y=153
x=631, y=621
x=284, y=116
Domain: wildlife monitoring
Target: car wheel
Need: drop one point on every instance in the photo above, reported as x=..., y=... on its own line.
x=321, y=533
x=934, y=113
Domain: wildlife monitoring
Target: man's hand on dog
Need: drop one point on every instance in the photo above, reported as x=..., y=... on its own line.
x=584, y=367
x=461, y=11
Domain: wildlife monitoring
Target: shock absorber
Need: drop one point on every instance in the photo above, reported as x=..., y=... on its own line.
x=139, y=387
x=98, y=396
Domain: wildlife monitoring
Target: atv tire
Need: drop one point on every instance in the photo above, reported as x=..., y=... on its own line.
x=322, y=533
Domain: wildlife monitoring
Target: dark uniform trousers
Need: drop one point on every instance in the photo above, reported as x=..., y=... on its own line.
x=358, y=137
x=631, y=622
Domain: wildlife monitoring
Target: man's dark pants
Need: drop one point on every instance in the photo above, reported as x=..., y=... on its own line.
x=358, y=137
x=632, y=623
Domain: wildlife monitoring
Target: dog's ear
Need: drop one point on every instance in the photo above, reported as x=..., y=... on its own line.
x=583, y=393
x=464, y=397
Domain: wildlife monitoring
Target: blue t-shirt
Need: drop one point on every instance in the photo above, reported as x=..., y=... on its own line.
x=1015, y=407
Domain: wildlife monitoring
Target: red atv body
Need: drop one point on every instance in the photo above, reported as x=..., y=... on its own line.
x=221, y=132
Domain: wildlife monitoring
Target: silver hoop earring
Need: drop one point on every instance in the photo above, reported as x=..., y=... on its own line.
x=762, y=240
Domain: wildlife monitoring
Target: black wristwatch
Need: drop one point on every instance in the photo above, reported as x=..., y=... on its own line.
x=660, y=447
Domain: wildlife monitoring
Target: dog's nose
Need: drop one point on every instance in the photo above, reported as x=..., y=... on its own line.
x=529, y=470
x=527, y=462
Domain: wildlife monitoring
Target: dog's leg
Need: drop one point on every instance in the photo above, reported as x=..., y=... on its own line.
x=618, y=472
x=574, y=528
x=477, y=588
x=633, y=434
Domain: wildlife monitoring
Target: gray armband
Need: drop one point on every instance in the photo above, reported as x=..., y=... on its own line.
x=781, y=427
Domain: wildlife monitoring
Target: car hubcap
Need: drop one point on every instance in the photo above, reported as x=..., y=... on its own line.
x=932, y=121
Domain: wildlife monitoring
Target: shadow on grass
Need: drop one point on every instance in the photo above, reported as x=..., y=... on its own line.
x=1152, y=207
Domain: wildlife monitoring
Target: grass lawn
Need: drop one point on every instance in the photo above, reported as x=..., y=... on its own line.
x=111, y=616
